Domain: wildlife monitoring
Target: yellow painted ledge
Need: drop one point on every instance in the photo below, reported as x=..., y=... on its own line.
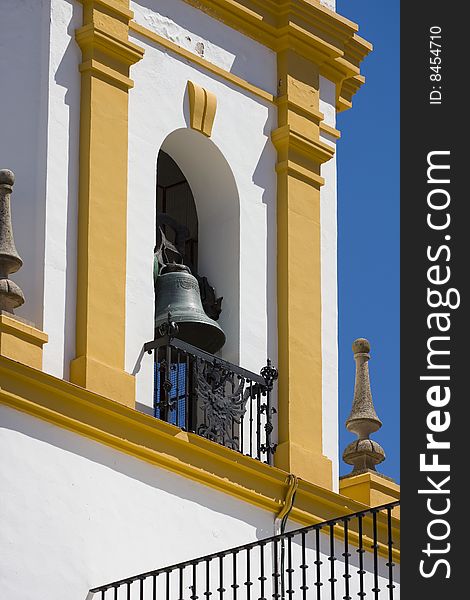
x=21, y=341
x=88, y=414
x=372, y=489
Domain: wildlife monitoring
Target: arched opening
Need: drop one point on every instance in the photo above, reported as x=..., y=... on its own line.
x=196, y=255
x=176, y=210
x=198, y=211
x=180, y=289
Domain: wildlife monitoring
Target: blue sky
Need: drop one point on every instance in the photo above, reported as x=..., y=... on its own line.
x=368, y=225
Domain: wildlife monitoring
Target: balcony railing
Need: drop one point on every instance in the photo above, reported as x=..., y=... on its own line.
x=218, y=400
x=348, y=557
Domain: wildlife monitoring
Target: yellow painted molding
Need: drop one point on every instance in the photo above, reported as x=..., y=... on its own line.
x=348, y=89
x=313, y=31
x=93, y=40
x=119, y=8
x=21, y=341
x=286, y=103
x=331, y=131
x=202, y=108
x=202, y=62
x=291, y=168
x=285, y=138
x=372, y=489
x=106, y=74
x=107, y=55
x=102, y=420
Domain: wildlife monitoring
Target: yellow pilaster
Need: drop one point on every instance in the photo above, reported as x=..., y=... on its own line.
x=107, y=55
x=300, y=156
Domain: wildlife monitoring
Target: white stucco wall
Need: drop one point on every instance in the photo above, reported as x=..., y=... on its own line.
x=331, y=4
x=76, y=514
x=328, y=210
x=40, y=106
x=209, y=38
x=240, y=143
x=24, y=65
x=60, y=273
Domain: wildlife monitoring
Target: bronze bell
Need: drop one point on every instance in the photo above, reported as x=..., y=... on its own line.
x=177, y=292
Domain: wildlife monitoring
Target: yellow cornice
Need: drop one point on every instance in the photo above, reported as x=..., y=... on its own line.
x=313, y=115
x=284, y=137
x=92, y=38
x=88, y=414
x=315, y=32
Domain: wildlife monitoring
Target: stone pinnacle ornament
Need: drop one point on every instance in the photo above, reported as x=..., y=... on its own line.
x=363, y=453
x=11, y=295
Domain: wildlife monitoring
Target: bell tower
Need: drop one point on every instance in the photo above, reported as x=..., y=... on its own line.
x=214, y=125
x=168, y=348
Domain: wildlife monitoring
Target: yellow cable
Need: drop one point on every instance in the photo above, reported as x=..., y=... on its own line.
x=293, y=483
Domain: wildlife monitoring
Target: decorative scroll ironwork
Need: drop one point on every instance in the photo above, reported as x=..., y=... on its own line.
x=216, y=399
x=222, y=402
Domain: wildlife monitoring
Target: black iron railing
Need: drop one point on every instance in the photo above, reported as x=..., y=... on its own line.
x=218, y=400
x=348, y=557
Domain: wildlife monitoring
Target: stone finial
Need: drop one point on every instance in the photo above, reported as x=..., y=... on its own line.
x=363, y=453
x=11, y=295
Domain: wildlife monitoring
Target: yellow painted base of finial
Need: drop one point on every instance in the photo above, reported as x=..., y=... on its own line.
x=21, y=341
x=372, y=489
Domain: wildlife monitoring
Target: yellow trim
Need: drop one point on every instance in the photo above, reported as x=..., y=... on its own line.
x=285, y=138
x=202, y=62
x=286, y=103
x=107, y=56
x=371, y=489
x=293, y=484
x=328, y=130
x=230, y=77
x=289, y=167
x=313, y=31
x=202, y=107
x=301, y=152
x=337, y=59
x=88, y=414
x=21, y=341
x=106, y=74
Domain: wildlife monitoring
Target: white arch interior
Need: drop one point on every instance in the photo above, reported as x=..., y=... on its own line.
x=218, y=208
